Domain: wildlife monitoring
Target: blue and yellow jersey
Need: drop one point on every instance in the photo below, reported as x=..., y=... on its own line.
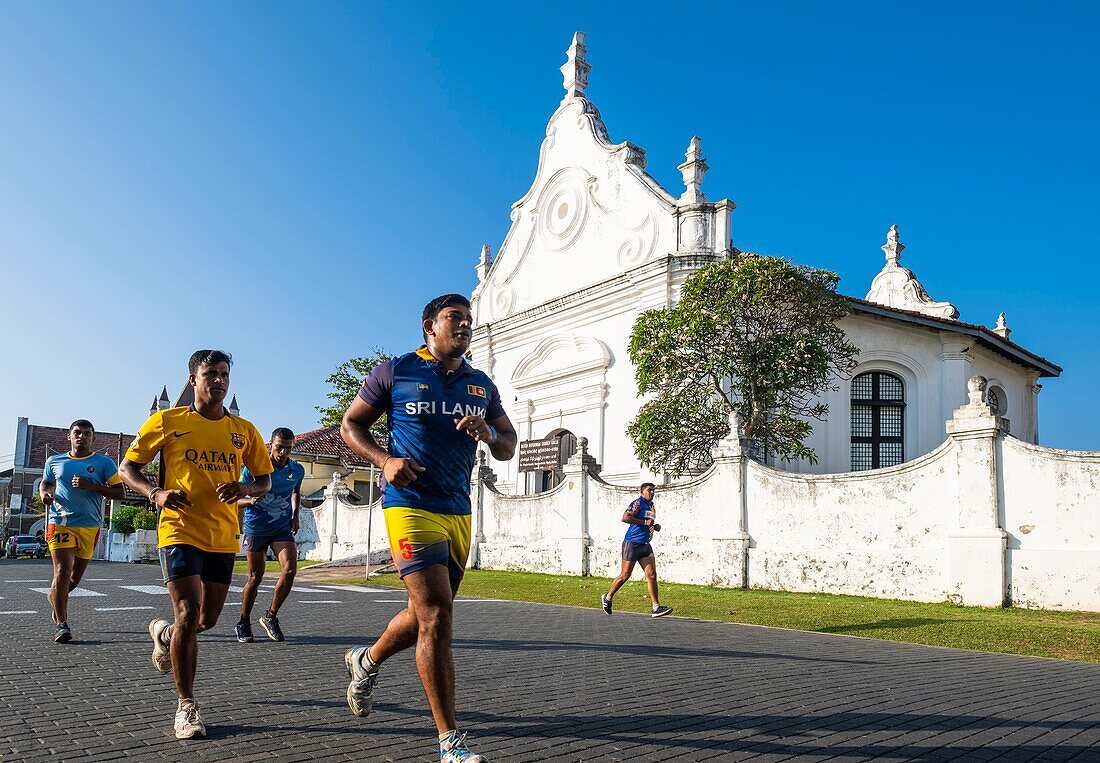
x=197, y=455
x=423, y=402
x=273, y=513
x=75, y=507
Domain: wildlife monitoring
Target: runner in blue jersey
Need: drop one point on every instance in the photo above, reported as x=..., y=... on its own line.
x=271, y=522
x=438, y=408
x=641, y=517
x=73, y=487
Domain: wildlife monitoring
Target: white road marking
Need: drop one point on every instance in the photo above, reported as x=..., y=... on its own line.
x=390, y=601
x=74, y=592
x=307, y=589
x=118, y=609
x=356, y=588
x=30, y=580
x=100, y=580
x=154, y=589
x=18, y=611
x=319, y=601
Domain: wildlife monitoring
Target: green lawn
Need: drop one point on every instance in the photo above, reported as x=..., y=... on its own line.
x=241, y=566
x=1065, y=635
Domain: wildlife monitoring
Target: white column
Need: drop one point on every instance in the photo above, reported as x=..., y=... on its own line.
x=976, y=546
x=730, y=543
x=574, y=545
x=954, y=372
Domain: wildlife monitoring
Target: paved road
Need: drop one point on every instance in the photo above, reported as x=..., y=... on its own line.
x=536, y=683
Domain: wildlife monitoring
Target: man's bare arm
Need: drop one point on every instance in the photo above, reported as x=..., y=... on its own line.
x=142, y=484
x=504, y=446
x=110, y=492
x=355, y=429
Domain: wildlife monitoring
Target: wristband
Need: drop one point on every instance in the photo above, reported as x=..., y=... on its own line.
x=492, y=434
x=152, y=493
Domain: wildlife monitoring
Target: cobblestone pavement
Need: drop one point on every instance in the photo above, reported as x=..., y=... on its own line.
x=535, y=683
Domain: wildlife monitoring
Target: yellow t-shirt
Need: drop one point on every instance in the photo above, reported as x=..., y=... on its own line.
x=197, y=455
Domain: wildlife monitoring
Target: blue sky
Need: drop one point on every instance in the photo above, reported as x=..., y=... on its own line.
x=291, y=182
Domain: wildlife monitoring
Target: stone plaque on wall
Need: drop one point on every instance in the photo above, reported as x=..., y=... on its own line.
x=539, y=455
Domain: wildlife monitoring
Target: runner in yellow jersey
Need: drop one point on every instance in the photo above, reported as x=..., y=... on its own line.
x=203, y=449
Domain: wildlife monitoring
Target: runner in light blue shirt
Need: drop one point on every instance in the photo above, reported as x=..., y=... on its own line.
x=271, y=521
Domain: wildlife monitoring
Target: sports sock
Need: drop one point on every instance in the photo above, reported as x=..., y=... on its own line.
x=447, y=737
x=269, y=614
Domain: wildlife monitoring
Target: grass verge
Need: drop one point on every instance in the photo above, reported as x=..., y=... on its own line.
x=241, y=565
x=1039, y=633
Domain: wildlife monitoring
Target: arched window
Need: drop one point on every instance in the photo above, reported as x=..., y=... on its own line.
x=878, y=416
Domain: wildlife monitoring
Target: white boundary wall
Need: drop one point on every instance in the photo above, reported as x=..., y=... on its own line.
x=984, y=519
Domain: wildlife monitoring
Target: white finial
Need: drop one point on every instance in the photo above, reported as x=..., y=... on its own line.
x=575, y=71
x=693, y=170
x=893, y=246
x=484, y=263
x=1002, y=329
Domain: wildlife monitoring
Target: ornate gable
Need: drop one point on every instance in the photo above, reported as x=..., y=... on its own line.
x=591, y=212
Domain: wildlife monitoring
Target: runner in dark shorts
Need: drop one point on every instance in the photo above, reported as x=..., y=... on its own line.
x=637, y=549
x=270, y=522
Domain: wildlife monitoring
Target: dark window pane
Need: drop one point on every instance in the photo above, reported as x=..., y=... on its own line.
x=862, y=386
x=861, y=456
x=890, y=454
x=890, y=421
x=890, y=388
x=861, y=420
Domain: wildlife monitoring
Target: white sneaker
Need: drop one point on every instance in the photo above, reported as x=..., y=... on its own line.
x=454, y=750
x=361, y=688
x=162, y=661
x=188, y=723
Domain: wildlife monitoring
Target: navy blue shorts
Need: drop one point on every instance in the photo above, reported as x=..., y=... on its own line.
x=260, y=543
x=183, y=561
x=636, y=552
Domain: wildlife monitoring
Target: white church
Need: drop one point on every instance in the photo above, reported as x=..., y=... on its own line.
x=596, y=241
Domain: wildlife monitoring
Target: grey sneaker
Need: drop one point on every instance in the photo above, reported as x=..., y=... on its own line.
x=454, y=750
x=162, y=661
x=606, y=601
x=271, y=625
x=244, y=632
x=361, y=688
x=63, y=634
x=188, y=723
x=661, y=611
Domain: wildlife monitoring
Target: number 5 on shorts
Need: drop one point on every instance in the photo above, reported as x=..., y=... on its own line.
x=406, y=549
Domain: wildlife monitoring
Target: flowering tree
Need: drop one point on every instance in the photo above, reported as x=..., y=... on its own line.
x=754, y=334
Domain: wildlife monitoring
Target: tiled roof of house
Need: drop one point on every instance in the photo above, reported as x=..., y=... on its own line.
x=46, y=441
x=327, y=442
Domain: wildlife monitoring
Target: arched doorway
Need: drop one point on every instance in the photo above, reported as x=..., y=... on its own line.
x=567, y=446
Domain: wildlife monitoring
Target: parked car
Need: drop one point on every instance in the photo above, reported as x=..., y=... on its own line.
x=28, y=545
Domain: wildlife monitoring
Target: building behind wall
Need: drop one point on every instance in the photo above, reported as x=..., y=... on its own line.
x=596, y=241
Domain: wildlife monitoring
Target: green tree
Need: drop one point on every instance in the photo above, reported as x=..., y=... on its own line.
x=145, y=520
x=754, y=334
x=122, y=521
x=345, y=382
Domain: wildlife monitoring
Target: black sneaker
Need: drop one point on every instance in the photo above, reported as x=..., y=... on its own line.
x=63, y=634
x=605, y=600
x=271, y=625
x=661, y=611
x=244, y=632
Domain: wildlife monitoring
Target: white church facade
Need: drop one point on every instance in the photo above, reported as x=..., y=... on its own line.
x=596, y=241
